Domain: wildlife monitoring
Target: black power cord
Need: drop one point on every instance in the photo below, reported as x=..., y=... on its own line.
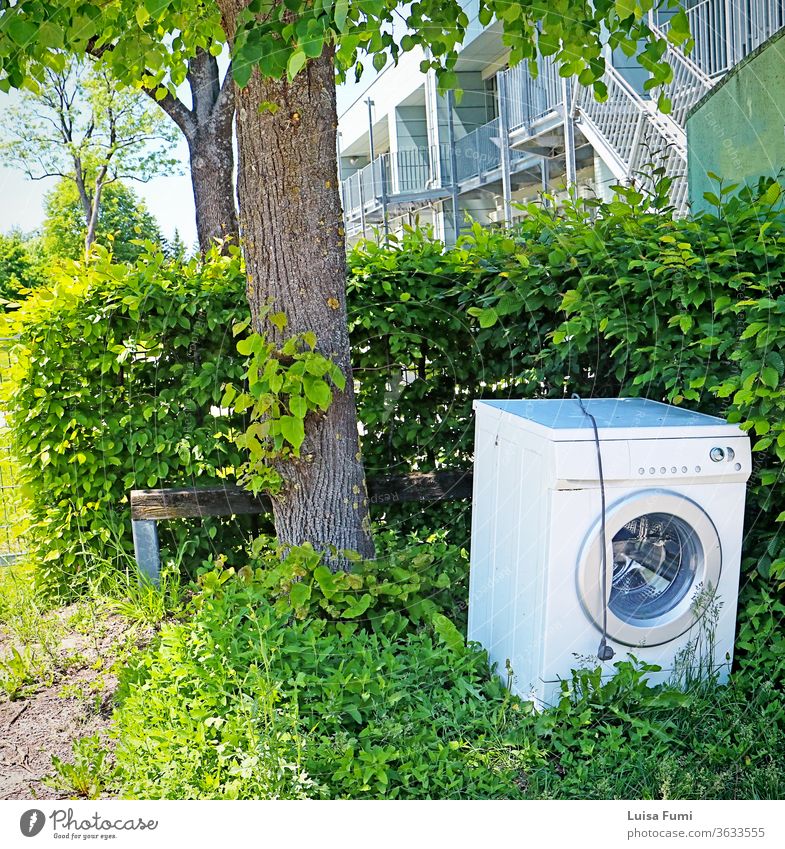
x=604, y=652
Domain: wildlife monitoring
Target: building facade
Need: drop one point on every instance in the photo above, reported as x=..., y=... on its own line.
x=737, y=131
x=410, y=155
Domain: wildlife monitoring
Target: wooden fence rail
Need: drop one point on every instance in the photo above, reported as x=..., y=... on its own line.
x=149, y=506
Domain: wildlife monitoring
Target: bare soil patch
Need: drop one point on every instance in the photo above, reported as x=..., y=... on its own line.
x=73, y=702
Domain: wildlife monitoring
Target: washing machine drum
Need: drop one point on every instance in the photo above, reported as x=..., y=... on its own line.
x=664, y=561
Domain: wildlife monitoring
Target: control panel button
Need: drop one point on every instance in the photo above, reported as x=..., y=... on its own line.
x=717, y=454
x=673, y=470
x=684, y=470
x=651, y=470
x=729, y=453
x=641, y=471
x=663, y=470
x=697, y=468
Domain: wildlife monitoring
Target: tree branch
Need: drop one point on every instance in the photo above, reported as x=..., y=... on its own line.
x=176, y=110
x=225, y=99
x=173, y=107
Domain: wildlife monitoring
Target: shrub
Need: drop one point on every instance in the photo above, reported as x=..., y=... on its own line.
x=116, y=385
x=401, y=589
x=240, y=703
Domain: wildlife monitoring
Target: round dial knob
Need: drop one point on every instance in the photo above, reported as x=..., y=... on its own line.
x=717, y=454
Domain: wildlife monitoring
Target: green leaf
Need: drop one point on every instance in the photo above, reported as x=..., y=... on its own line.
x=772, y=194
x=296, y=63
x=293, y=430
x=21, y=30
x=770, y=377
x=448, y=633
x=326, y=580
x=359, y=607
x=318, y=392
x=279, y=319
x=156, y=7
x=241, y=71
x=300, y=594
x=678, y=28
x=298, y=406
x=625, y=8
x=341, y=11
x=488, y=318
x=245, y=347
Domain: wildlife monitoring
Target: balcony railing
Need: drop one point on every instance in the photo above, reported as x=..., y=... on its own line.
x=531, y=98
x=725, y=31
x=478, y=152
x=397, y=176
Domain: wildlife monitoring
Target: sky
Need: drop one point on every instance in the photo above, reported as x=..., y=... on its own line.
x=170, y=198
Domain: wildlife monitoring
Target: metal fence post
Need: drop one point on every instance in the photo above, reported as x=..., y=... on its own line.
x=148, y=555
x=504, y=149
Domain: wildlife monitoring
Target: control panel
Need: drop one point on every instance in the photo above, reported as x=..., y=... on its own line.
x=695, y=460
x=690, y=458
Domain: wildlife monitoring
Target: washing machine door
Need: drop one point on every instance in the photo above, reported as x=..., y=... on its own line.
x=664, y=558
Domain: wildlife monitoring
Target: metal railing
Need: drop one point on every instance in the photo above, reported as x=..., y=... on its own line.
x=725, y=31
x=532, y=98
x=686, y=88
x=402, y=172
x=418, y=169
x=618, y=120
x=635, y=135
x=363, y=188
x=478, y=152
x=11, y=513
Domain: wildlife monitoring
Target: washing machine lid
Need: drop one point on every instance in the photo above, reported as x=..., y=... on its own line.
x=561, y=420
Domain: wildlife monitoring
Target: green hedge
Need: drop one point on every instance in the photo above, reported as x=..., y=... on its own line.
x=611, y=299
x=116, y=385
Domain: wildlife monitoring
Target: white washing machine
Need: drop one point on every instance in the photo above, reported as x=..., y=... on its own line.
x=674, y=486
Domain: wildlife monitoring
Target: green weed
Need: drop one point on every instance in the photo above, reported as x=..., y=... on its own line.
x=89, y=775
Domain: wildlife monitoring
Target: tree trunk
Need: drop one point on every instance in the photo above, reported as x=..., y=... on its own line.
x=207, y=127
x=212, y=178
x=291, y=224
x=95, y=212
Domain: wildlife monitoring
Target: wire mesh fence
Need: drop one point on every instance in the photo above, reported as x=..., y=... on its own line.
x=11, y=512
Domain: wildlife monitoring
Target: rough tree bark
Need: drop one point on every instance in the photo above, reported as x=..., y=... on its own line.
x=207, y=127
x=292, y=229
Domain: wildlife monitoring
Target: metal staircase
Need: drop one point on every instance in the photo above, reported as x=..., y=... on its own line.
x=628, y=130
x=631, y=134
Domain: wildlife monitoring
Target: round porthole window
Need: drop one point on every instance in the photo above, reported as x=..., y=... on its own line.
x=662, y=548
x=655, y=560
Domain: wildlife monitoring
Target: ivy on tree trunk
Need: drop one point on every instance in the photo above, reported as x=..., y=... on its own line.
x=293, y=239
